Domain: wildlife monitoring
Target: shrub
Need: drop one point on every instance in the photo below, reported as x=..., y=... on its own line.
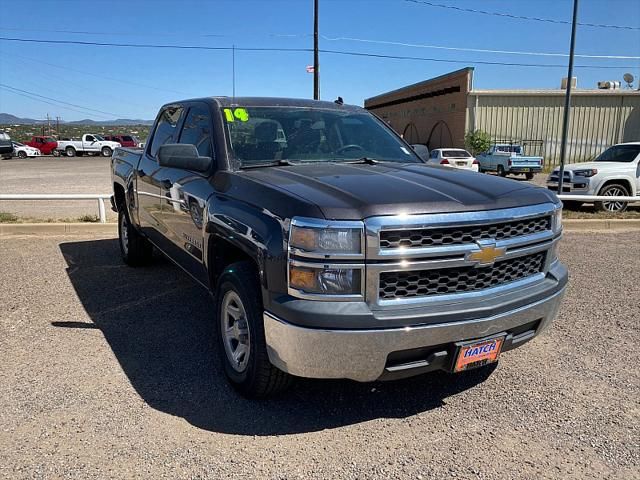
x=477, y=141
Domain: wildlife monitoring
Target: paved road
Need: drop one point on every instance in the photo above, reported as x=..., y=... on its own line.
x=54, y=175
x=109, y=372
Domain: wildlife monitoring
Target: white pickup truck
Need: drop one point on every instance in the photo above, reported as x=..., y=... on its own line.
x=90, y=144
x=614, y=173
x=505, y=158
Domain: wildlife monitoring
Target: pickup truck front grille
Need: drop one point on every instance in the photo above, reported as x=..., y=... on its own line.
x=443, y=281
x=433, y=237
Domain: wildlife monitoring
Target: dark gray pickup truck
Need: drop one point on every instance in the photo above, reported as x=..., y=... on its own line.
x=331, y=249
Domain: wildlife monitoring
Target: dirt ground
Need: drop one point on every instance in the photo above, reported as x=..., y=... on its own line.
x=110, y=372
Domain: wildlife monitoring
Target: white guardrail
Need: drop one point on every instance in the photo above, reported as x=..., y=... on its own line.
x=100, y=197
x=102, y=213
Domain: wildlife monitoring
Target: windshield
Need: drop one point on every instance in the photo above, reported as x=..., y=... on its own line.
x=48, y=140
x=456, y=154
x=263, y=135
x=4, y=136
x=619, y=153
x=18, y=144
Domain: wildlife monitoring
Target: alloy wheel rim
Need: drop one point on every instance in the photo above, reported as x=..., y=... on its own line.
x=235, y=331
x=614, y=206
x=124, y=235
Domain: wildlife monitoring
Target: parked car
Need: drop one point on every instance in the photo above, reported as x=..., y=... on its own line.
x=6, y=147
x=90, y=144
x=422, y=151
x=341, y=254
x=506, y=158
x=615, y=172
x=454, y=157
x=23, y=151
x=46, y=145
x=124, y=140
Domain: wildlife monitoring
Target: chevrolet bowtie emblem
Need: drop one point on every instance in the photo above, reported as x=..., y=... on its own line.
x=486, y=255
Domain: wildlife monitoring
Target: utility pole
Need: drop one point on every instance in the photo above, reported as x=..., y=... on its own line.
x=316, y=59
x=233, y=70
x=567, y=99
x=57, y=126
x=48, y=125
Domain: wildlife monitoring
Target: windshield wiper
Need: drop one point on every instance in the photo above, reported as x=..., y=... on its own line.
x=278, y=163
x=364, y=160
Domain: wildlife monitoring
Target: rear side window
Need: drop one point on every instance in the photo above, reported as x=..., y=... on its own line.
x=197, y=130
x=167, y=128
x=127, y=138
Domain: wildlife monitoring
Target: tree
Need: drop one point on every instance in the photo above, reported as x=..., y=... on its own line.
x=477, y=141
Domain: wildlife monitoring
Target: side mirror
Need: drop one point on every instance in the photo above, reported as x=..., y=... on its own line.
x=183, y=156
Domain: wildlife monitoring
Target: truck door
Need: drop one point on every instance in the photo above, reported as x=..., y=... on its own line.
x=184, y=196
x=148, y=191
x=89, y=143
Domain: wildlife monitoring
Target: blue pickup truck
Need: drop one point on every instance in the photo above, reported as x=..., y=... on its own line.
x=505, y=158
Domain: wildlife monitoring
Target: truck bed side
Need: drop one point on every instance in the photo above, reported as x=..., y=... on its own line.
x=124, y=163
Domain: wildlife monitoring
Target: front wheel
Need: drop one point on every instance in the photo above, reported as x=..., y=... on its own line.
x=55, y=153
x=106, y=152
x=22, y=155
x=242, y=344
x=135, y=249
x=613, y=190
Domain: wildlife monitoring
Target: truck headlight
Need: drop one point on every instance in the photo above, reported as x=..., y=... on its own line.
x=590, y=172
x=556, y=220
x=323, y=239
x=325, y=280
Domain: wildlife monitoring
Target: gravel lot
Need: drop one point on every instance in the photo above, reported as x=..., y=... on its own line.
x=55, y=175
x=109, y=372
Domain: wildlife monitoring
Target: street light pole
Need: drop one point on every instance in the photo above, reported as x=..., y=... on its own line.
x=567, y=99
x=316, y=59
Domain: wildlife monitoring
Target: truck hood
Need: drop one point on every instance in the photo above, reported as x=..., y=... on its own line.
x=608, y=166
x=348, y=191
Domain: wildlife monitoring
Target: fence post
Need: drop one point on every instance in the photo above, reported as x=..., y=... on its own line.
x=101, y=210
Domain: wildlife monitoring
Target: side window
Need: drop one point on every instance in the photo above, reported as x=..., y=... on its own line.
x=166, y=129
x=197, y=130
x=89, y=138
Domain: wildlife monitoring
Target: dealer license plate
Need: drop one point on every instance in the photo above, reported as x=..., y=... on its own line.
x=526, y=169
x=476, y=354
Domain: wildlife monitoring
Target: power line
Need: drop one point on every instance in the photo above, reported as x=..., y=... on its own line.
x=48, y=103
x=519, y=17
x=468, y=62
x=307, y=50
x=60, y=101
x=150, y=45
x=476, y=50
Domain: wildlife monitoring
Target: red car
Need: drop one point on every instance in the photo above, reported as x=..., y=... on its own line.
x=124, y=140
x=46, y=145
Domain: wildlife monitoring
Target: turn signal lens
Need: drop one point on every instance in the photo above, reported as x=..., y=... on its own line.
x=325, y=280
x=303, y=279
x=305, y=238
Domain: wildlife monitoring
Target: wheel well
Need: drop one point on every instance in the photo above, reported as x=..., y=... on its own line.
x=221, y=255
x=625, y=183
x=119, y=197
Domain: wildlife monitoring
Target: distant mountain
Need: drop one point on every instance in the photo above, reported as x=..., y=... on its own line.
x=8, y=119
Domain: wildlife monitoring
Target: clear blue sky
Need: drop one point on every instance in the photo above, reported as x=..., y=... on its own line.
x=91, y=76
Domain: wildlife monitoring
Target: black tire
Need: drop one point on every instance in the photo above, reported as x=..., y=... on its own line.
x=501, y=171
x=22, y=155
x=259, y=378
x=70, y=152
x=613, y=189
x=528, y=176
x=135, y=249
x=106, y=152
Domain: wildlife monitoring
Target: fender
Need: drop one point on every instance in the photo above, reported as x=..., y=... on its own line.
x=609, y=178
x=255, y=231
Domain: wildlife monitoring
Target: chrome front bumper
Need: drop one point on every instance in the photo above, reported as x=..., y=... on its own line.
x=362, y=354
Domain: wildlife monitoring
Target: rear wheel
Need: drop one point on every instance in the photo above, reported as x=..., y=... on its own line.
x=242, y=344
x=55, y=153
x=135, y=249
x=501, y=171
x=70, y=152
x=22, y=155
x=106, y=152
x=612, y=190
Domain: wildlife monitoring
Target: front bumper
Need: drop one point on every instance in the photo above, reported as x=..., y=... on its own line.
x=364, y=355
